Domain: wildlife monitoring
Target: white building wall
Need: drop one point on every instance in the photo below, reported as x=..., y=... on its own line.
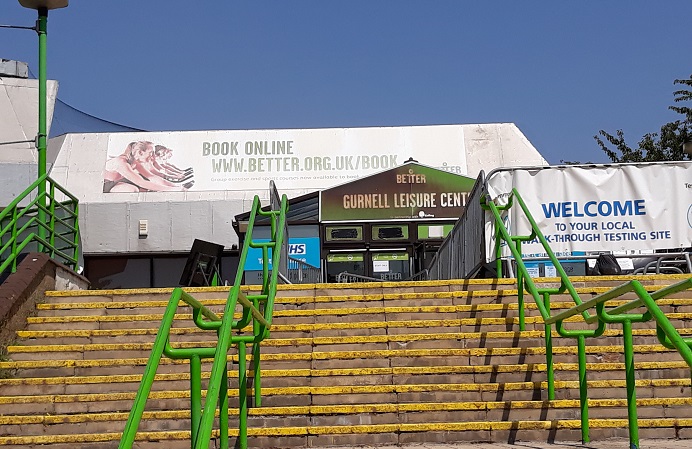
x=109, y=222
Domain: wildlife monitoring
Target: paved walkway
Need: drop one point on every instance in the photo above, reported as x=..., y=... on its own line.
x=608, y=444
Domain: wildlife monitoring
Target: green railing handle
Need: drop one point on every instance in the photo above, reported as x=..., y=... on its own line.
x=666, y=333
x=576, y=333
x=36, y=221
x=257, y=309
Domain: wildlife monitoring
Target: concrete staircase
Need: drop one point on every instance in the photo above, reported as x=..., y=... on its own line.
x=347, y=364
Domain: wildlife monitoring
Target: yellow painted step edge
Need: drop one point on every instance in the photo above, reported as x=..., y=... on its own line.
x=345, y=389
x=403, y=339
x=370, y=285
x=366, y=298
x=346, y=410
x=329, y=355
x=361, y=429
x=354, y=372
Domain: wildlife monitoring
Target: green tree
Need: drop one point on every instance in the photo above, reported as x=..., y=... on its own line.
x=665, y=145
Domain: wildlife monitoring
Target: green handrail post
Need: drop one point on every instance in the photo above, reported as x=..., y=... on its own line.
x=631, y=387
x=223, y=410
x=195, y=394
x=14, y=239
x=51, y=229
x=219, y=366
x=256, y=382
x=242, y=393
x=75, y=234
x=626, y=321
x=583, y=389
x=549, y=351
x=498, y=258
x=41, y=140
x=520, y=294
x=498, y=242
x=580, y=335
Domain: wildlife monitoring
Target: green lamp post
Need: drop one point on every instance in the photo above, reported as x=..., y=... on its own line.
x=42, y=6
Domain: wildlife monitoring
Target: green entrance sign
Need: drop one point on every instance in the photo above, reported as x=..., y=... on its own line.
x=390, y=256
x=345, y=257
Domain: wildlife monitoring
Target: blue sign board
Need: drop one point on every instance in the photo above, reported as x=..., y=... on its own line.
x=304, y=249
x=547, y=269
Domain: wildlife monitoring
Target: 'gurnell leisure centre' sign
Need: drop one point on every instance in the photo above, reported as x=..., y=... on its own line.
x=411, y=191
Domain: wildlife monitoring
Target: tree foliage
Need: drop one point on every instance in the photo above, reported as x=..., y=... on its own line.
x=683, y=95
x=665, y=145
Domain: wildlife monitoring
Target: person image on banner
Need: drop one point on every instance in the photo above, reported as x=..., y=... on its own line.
x=143, y=167
x=159, y=165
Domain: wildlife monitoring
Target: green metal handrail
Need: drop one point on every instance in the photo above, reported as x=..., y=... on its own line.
x=256, y=309
x=666, y=332
x=51, y=223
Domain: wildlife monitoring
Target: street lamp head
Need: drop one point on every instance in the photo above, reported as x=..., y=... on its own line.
x=687, y=139
x=43, y=4
x=687, y=147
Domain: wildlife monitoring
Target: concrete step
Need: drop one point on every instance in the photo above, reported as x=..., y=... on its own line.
x=407, y=333
x=391, y=434
x=331, y=290
x=346, y=376
x=100, y=356
x=404, y=316
x=477, y=300
x=351, y=415
x=368, y=390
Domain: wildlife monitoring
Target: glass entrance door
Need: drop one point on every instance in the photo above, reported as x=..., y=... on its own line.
x=350, y=262
x=390, y=265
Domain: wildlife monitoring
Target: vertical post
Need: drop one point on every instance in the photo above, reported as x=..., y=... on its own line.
x=41, y=138
x=75, y=235
x=223, y=410
x=520, y=293
x=631, y=389
x=242, y=396
x=14, y=239
x=257, y=386
x=195, y=396
x=583, y=394
x=549, y=351
x=498, y=251
x=51, y=220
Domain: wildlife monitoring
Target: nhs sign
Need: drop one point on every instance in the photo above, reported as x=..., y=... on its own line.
x=297, y=249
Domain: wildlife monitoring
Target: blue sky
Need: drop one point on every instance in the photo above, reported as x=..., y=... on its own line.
x=560, y=70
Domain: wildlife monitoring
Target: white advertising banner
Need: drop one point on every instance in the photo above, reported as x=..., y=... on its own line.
x=601, y=208
x=295, y=158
